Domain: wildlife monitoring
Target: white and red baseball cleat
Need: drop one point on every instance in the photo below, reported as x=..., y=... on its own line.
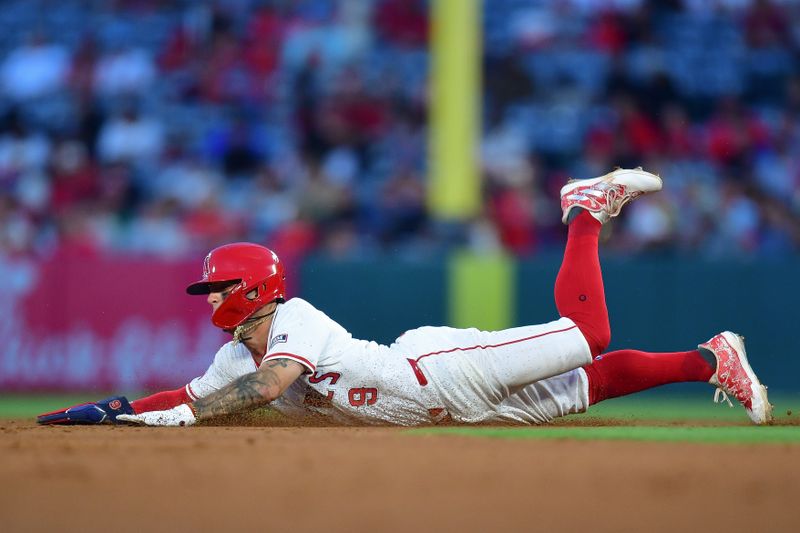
x=736, y=378
x=604, y=197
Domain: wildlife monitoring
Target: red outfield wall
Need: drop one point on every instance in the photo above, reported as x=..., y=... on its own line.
x=102, y=323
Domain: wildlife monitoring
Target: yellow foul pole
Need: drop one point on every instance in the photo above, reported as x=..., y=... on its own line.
x=480, y=288
x=454, y=191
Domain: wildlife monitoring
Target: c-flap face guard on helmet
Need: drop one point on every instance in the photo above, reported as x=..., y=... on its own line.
x=241, y=301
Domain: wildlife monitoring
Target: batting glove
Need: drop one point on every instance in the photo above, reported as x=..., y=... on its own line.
x=177, y=416
x=89, y=413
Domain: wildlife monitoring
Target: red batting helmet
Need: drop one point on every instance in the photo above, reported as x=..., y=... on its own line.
x=257, y=273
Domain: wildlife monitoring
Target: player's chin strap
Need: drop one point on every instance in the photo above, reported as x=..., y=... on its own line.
x=249, y=325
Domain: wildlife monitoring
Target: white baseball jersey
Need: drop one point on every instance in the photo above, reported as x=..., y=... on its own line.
x=529, y=374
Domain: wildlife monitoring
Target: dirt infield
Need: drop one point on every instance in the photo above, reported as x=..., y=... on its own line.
x=382, y=479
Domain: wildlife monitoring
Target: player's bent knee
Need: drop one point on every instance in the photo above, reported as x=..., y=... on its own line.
x=598, y=338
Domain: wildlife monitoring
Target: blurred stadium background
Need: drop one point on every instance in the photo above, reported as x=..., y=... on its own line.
x=403, y=157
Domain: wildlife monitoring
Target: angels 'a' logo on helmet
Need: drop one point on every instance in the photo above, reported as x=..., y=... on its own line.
x=207, y=266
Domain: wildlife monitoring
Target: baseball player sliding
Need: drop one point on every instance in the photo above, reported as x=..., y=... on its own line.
x=290, y=355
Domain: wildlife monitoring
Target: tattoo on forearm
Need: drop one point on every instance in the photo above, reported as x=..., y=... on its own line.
x=246, y=392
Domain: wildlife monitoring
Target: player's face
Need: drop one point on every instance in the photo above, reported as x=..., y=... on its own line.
x=215, y=299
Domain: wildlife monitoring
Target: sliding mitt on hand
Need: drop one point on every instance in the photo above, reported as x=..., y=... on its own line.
x=104, y=411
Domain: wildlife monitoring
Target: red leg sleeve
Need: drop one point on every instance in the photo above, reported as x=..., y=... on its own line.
x=627, y=371
x=161, y=401
x=580, y=295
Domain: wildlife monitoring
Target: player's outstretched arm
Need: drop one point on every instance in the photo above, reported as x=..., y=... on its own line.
x=247, y=392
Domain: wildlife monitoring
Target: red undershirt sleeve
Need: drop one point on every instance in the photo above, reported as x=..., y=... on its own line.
x=161, y=401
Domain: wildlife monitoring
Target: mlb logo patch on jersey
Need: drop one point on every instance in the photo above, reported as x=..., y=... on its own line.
x=277, y=339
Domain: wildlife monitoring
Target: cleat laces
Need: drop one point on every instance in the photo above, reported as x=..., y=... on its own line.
x=721, y=396
x=612, y=196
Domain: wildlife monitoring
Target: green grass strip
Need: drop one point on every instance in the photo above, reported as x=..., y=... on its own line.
x=667, y=406
x=28, y=406
x=727, y=435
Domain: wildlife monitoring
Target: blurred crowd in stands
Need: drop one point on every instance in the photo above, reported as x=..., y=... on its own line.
x=167, y=127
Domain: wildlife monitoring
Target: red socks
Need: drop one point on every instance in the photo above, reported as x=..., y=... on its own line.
x=161, y=401
x=627, y=371
x=579, y=291
x=580, y=296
